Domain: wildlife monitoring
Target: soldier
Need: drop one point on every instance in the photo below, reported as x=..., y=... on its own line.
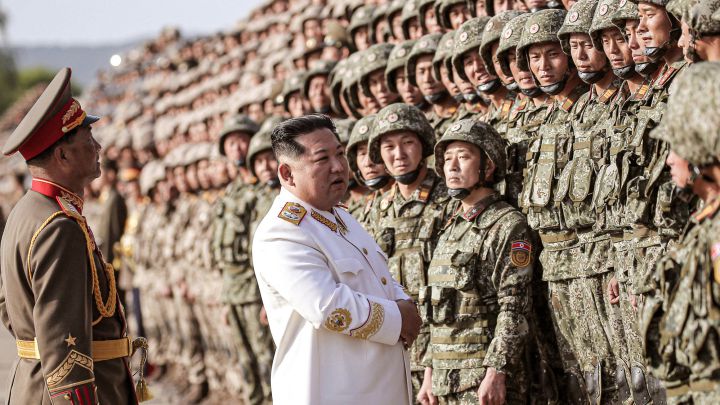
x=379, y=25
x=373, y=82
x=703, y=43
x=478, y=308
x=442, y=68
x=59, y=295
x=540, y=52
x=419, y=71
x=316, y=89
x=428, y=17
x=396, y=77
x=338, y=103
x=394, y=18
x=295, y=103
x=691, y=269
x=411, y=214
x=359, y=28
x=452, y=13
x=410, y=21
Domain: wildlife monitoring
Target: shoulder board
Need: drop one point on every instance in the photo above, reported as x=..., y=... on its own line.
x=572, y=98
x=506, y=108
x=69, y=209
x=425, y=189
x=642, y=92
x=293, y=213
x=607, y=95
x=343, y=206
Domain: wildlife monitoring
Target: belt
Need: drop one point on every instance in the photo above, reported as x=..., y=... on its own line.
x=102, y=349
x=554, y=237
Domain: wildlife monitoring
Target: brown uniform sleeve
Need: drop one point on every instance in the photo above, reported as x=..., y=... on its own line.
x=63, y=312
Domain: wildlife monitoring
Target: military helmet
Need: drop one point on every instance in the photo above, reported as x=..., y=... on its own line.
x=480, y=134
x=319, y=68
x=362, y=17
x=401, y=117
x=625, y=10
x=700, y=18
x=492, y=32
x=716, y=15
x=336, y=35
x=152, y=173
x=409, y=12
x=488, y=4
x=379, y=14
x=360, y=134
x=443, y=55
x=336, y=80
x=238, y=123
x=602, y=20
x=442, y=10
x=427, y=45
x=312, y=12
x=577, y=21
x=509, y=40
x=293, y=84
x=395, y=7
x=350, y=82
x=661, y=3
x=691, y=122
x=343, y=128
x=374, y=58
x=261, y=142
x=422, y=7
x=467, y=38
x=397, y=60
x=542, y=26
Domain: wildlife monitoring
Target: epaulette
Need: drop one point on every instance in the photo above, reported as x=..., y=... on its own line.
x=520, y=107
x=69, y=208
x=505, y=109
x=425, y=188
x=642, y=92
x=607, y=94
x=293, y=213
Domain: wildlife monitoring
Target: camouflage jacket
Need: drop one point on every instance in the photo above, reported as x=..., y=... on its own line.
x=478, y=296
x=497, y=116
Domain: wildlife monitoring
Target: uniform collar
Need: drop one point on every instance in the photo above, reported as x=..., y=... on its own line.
x=54, y=190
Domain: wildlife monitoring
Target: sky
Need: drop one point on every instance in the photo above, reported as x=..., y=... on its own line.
x=94, y=22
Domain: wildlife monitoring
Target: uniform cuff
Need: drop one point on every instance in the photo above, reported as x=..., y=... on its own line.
x=383, y=324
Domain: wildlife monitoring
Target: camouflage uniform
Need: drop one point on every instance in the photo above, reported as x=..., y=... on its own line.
x=408, y=229
x=361, y=134
x=548, y=153
x=478, y=296
x=689, y=273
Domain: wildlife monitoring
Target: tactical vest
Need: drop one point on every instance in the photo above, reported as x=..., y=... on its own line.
x=230, y=237
x=522, y=125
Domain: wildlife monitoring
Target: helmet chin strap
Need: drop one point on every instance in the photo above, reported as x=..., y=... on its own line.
x=489, y=87
x=532, y=93
x=240, y=162
x=646, y=69
x=408, y=178
x=555, y=88
x=437, y=97
x=459, y=98
x=324, y=110
x=378, y=182
x=462, y=193
x=274, y=182
x=657, y=52
x=625, y=72
x=591, y=77
x=471, y=98
x=512, y=86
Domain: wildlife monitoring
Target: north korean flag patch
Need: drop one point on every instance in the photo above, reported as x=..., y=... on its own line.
x=520, y=253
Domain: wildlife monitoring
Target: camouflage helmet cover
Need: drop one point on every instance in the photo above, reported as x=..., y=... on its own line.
x=427, y=45
x=423, y=6
x=541, y=27
x=336, y=80
x=343, y=128
x=319, y=68
x=362, y=17
x=509, y=40
x=442, y=10
x=493, y=32
x=626, y=10
x=294, y=83
x=409, y=12
x=467, y=38
x=480, y=134
x=260, y=143
x=397, y=60
x=374, y=58
x=602, y=20
x=577, y=21
x=443, y=55
x=238, y=123
x=360, y=134
x=401, y=117
x=700, y=17
x=716, y=15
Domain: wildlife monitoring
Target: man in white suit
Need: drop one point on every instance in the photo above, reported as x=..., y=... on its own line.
x=338, y=319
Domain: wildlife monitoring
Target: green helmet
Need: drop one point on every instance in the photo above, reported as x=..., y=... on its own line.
x=343, y=128
x=362, y=17
x=350, y=82
x=238, y=123
x=401, y=117
x=360, y=134
x=661, y=3
x=493, y=31
x=509, y=40
x=467, y=38
x=294, y=83
x=395, y=7
x=442, y=10
x=152, y=173
x=409, y=12
x=319, y=68
x=336, y=80
x=261, y=142
x=443, y=55
x=374, y=58
x=700, y=17
x=603, y=19
x=337, y=36
x=427, y=45
x=625, y=10
x=397, y=60
x=542, y=26
x=690, y=124
x=423, y=6
x=578, y=21
x=480, y=134
x=379, y=14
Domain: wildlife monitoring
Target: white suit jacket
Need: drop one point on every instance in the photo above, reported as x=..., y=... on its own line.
x=330, y=301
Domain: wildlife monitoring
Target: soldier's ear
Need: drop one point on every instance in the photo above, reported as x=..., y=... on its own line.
x=285, y=172
x=489, y=169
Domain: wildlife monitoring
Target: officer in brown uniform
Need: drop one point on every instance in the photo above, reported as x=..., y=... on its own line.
x=61, y=297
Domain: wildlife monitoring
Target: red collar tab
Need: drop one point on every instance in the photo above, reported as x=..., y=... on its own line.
x=68, y=117
x=54, y=190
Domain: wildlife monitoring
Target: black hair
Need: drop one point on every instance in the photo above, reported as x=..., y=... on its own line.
x=284, y=135
x=42, y=158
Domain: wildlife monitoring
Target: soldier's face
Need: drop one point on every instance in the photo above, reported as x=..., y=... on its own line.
x=191, y=177
x=179, y=179
x=368, y=169
x=568, y=3
x=481, y=8
x=256, y=111
x=409, y=93
x=587, y=58
x=379, y=89
x=685, y=41
x=475, y=69
x=679, y=169
x=380, y=29
x=430, y=21
x=458, y=14
x=523, y=78
x=203, y=174
x=461, y=165
x=616, y=48
x=424, y=76
x=502, y=5
x=368, y=104
x=361, y=38
x=496, y=64
x=320, y=175
x=319, y=93
x=464, y=86
x=236, y=146
x=296, y=105
x=655, y=25
x=447, y=81
x=265, y=166
x=414, y=29
x=548, y=63
x=84, y=154
x=401, y=152
x=634, y=41
x=312, y=29
x=396, y=27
